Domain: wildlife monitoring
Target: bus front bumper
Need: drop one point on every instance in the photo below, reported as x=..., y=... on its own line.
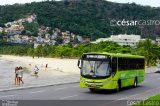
x=105, y=84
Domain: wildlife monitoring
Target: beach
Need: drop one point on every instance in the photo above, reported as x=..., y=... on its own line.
x=55, y=66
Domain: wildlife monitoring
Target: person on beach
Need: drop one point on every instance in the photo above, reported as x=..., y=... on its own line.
x=46, y=65
x=20, y=75
x=16, y=75
x=36, y=70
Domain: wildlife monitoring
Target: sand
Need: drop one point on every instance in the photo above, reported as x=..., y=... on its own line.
x=55, y=66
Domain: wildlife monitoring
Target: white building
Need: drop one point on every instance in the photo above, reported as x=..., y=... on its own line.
x=55, y=34
x=15, y=39
x=39, y=39
x=53, y=42
x=80, y=39
x=8, y=24
x=25, y=39
x=29, y=20
x=122, y=39
x=36, y=45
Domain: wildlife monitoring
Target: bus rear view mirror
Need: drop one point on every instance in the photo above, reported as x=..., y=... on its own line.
x=78, y=64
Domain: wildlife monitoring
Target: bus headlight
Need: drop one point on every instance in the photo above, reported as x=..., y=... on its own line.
x=107, y=81
x=81, y=80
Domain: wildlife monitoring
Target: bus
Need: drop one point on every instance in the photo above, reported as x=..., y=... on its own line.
x=111, y=71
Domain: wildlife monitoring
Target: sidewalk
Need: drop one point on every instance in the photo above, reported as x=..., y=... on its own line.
x=150, y=70
x=34, y=82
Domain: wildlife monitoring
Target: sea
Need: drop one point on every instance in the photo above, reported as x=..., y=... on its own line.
x=7, y=71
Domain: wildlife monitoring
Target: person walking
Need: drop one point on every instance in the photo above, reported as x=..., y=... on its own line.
x=46, y=65
x=20, y=75
x=16, y=75
x=36, y=70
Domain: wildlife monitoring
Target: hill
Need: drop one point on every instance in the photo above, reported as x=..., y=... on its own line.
x=86, y=17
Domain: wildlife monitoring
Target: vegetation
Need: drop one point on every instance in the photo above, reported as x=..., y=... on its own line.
x=14, y=49
x=84, y=17
x=152, y=101
x=31, y=28
x=144, y=48
x=149, y=50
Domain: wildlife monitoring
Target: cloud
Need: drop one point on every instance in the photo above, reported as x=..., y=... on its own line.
x=3, y=2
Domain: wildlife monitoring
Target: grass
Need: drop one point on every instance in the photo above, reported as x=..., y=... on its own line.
x=152, y=101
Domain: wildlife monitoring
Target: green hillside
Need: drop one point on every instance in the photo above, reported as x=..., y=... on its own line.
x=85, y=17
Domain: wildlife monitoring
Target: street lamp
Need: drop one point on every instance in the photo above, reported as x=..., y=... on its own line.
x=91, y=41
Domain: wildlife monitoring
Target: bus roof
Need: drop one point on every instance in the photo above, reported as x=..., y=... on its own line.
x=117, y=54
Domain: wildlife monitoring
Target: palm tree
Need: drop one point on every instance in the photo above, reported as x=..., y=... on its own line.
x=149, y=50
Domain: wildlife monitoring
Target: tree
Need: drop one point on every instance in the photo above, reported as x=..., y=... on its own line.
x=30, y=52
x=32, y=27
x=94, y=16
x=38, y=51
x=149, y=50
x=45, y=51
x=1, y=35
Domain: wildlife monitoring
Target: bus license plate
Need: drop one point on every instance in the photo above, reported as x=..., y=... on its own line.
x=93, y=85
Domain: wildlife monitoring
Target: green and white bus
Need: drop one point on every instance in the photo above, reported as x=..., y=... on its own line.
x=110, y=71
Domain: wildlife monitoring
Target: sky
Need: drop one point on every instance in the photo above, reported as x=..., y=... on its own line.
x=153, y=3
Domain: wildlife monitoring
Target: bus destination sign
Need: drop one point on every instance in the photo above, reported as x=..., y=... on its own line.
x=96, y=56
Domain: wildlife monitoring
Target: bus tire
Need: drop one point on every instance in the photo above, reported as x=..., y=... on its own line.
x=92, y=90
x=118, y=88
x=135, y=82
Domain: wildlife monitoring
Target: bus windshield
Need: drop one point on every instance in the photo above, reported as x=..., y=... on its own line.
x=95, y=68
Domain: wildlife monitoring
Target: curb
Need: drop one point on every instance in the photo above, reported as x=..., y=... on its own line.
x=29, y=87
x=151, y=72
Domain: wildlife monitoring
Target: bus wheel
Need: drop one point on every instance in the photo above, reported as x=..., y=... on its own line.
x=118, y=86
x=135, y=82
x=92, y=90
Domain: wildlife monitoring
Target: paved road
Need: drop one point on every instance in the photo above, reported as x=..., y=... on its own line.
x=148, y=88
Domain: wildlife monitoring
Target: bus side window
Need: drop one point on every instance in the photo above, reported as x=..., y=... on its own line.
x=120, y=64
x=114, y=64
